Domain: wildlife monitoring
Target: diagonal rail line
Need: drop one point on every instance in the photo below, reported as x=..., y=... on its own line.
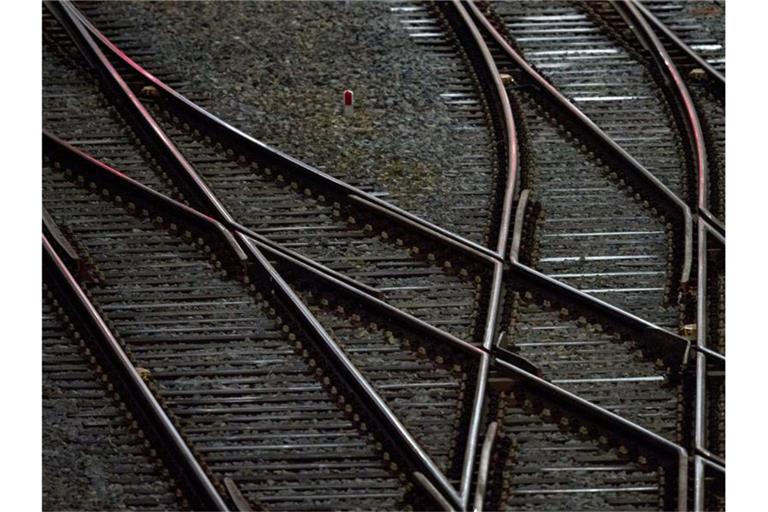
x=718, y=77
x=482, y=255
x=244, y=250
x=95, y=170
x=178, y=455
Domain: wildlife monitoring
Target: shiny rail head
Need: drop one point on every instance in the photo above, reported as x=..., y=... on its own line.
x=151, y=415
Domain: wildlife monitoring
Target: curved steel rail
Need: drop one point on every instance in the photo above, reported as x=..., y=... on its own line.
x=262, y=152
x=675, y=207
x=59, y=242
x=517, y=233
x=715, y=75
x=488, y=75
x=485, y=463
x=177, y=455
x=701, y=467
x=675, y=85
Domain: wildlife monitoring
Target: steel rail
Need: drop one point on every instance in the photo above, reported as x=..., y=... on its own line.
x=501, y=112
x=704, y=229
x=517, y=233
x=485, y=463
x=478, y=408
x=439, y=499
x=715, y=75
x=347, y=372
x=717, y=227
x=711, y=354
x=700, y=401
x=676, y=88
x=246, y=252
x=711, y=457
x=176, y=453
x=675, y=85
x=608, y=421
x=237, y=497
x=699, y=430
x=261, y=152
x=676, y=207
x=699, y=491
x=59, y=242
x=674, y=347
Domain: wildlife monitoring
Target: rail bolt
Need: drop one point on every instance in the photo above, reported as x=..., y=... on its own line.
x=506, y=79
x=697, y=74
x=149, y=91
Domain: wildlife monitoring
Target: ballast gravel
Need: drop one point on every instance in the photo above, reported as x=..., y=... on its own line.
x=277, y=70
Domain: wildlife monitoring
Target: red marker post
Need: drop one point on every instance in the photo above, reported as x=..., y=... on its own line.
x=349, y=102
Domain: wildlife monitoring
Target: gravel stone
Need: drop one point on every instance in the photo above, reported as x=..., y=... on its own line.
x=277, y=70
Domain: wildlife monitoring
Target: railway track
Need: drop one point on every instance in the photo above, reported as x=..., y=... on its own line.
x=87, y=434
x=593, y=235
x=336, y=237
x=368, y=369
x=704, y=81
x=458, y=196
x=250, y=405
x=700, y=25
